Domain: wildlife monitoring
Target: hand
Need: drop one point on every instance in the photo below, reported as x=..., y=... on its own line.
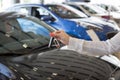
x=61, y=36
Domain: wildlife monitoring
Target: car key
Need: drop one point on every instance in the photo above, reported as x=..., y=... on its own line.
x=55, y=41
x=50, y=42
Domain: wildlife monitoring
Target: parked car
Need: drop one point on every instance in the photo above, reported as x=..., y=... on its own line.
x=54, y=65
x=109, y=7
x=24, y=54
x=51, y=15
x=95, y=10
x=67, y=12
x=91, y=10
x=113, y=10
x=22, y=35
x=39, y=11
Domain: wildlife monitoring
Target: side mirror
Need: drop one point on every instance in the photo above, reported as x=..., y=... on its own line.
x=47, y=18
x=111, y=34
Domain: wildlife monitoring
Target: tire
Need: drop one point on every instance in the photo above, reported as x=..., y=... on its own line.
x=65, y=65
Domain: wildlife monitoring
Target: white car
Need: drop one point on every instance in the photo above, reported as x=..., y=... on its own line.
x=96, y=10
x=113, y=10
x=101, y=10
x=91, y=10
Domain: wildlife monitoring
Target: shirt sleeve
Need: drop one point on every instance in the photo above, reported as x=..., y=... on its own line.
x=95, y=48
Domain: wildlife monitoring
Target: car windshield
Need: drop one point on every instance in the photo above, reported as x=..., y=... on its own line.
x=66, y=13
x=21, y=35
x=93, y=9
x=114, y=8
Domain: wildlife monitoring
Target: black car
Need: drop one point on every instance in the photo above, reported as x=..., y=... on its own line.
x=22, y=35
x=25, y=55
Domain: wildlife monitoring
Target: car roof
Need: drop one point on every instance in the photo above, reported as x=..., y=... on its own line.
x=8, y=15
x=78, y=3
x=27, y=4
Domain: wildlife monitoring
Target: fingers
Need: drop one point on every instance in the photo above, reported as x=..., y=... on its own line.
x=61, y=36
x=52, y=34
x=55, y=34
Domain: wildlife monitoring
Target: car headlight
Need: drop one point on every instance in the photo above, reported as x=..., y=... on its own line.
x=90, y=26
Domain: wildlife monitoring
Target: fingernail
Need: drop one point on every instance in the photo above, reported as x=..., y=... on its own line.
x=52, y=34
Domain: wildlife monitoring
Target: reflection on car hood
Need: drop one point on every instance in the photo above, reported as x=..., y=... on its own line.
x=98, y=21
x=92, y=20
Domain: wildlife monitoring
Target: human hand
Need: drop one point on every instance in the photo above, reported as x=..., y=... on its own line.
x=61, y=36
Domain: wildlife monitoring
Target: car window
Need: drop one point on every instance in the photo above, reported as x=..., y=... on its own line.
x=24, y=10
x=93, y=9
x=62, y=11
x=41, y=13
x=89, y=9
x=22, y=34
x=31, y=26
x=77, y=7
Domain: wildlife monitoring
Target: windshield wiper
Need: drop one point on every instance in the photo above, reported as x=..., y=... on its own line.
x=5, y=49
x=41, y=48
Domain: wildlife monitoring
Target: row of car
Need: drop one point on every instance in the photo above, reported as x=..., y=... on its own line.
x=98, y=10
x=69, y=19
x=24, y=40
x=25, y=55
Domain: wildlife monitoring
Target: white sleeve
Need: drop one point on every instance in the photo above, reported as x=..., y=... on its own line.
x=95, y=47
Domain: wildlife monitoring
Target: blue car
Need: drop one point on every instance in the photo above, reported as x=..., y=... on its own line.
x=102, y=27
x=61, y=22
